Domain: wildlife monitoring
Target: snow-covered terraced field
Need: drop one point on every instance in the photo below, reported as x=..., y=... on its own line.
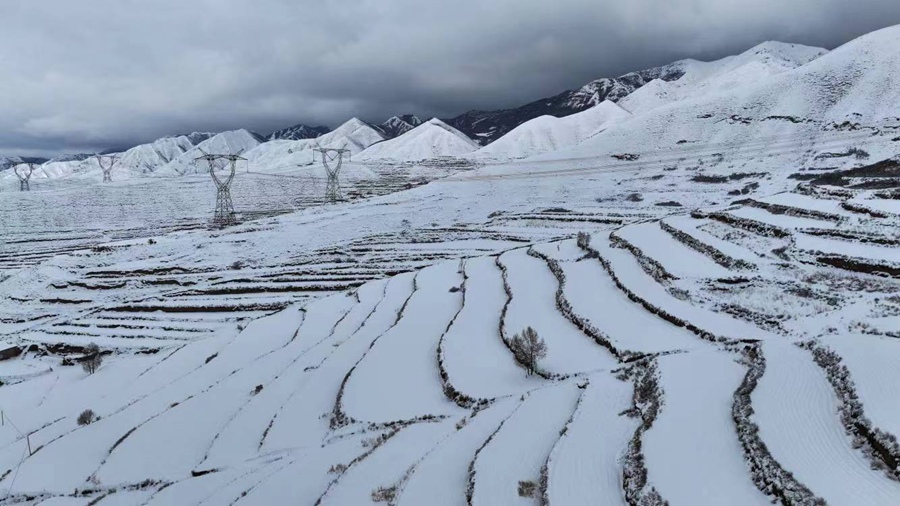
x=715, y=332
x=391, y=381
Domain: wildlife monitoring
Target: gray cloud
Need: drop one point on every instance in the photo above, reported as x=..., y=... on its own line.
x=88, y=75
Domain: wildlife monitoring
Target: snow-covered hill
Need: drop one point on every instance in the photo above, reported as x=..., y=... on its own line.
x=549, y=133
x=432, y=139
x=147, y=158
x=838, y=110
x=299, y=132
x=399, y=125
x=232, y=142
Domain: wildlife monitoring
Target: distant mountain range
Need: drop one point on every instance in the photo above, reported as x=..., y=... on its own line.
x=487, y=126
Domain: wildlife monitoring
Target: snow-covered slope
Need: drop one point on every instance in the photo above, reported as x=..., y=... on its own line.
x=748, y=68
x=549, y=133
x=149, y=157
x=232, y=142
x=807, y=117
x=399, y=125
x=432, y=139
x=299, y=132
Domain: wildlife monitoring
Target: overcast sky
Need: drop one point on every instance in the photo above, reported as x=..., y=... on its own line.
x=92, y=74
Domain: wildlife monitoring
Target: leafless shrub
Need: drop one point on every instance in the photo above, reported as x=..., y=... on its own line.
x=584, y=240
x=92, y=360
x=86, y=417
x=527, y=488
x=384, y=494
x=529, y=348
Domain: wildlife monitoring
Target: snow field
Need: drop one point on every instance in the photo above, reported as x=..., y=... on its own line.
x=533, y=304
x=243, y=435
x=386, y=466
x=872, y=361
x=584, y=467
x=678, y=259
x=302, y=418
x=440, y=478
x=784, y=221
x=594, y=296
x=692, y=452
x=398, y=378
x=521, y=447
x=690, y=226
x=631, y=275
x=476, y=360
x=854, y=249
x=796, y=410
x=86, y=448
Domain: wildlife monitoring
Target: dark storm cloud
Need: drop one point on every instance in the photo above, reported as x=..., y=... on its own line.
x=97, y=73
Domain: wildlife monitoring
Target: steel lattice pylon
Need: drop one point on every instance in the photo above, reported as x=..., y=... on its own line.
x=106, y=165
x=224, y=214
x=24, y=175
x=333, y=185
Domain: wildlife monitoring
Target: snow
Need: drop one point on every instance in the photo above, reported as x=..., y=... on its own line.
x=795, y=408
x=519, y=449
x=533, y=305
x=232, y=142
x=477, y=361
x=432, y=139
x=548, y=133
x=594, y=296
x=692, y=450
x=397, y=379
x=678, y=259
x=440, y=479
x=270, y=354
x=584, y=467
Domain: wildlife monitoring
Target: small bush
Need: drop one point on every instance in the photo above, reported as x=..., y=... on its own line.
x=86, y=417
x=584, y=240
x=527, y=488
x=236, y=266
x=337, y=469
x=151, y=241
x=258, y=389
x=454, y=289
x=382, y=494
x=634, y=197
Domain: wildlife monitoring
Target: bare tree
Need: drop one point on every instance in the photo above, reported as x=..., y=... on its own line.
x=529, y=348
x=86, y=417
x=92, y=359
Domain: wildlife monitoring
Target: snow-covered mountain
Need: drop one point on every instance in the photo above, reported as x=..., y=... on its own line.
x=231, y=142
x=299, y=132
x=767, y=101
x=548, y=133
x=355, y=135
x=147, y=158
x=432, y=139
x=488, y=126
x=399, y=125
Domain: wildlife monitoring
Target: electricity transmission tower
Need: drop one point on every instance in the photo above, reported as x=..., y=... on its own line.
x=224, y=214
x=333, y=186
x=24, y=175
x=106, y=165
